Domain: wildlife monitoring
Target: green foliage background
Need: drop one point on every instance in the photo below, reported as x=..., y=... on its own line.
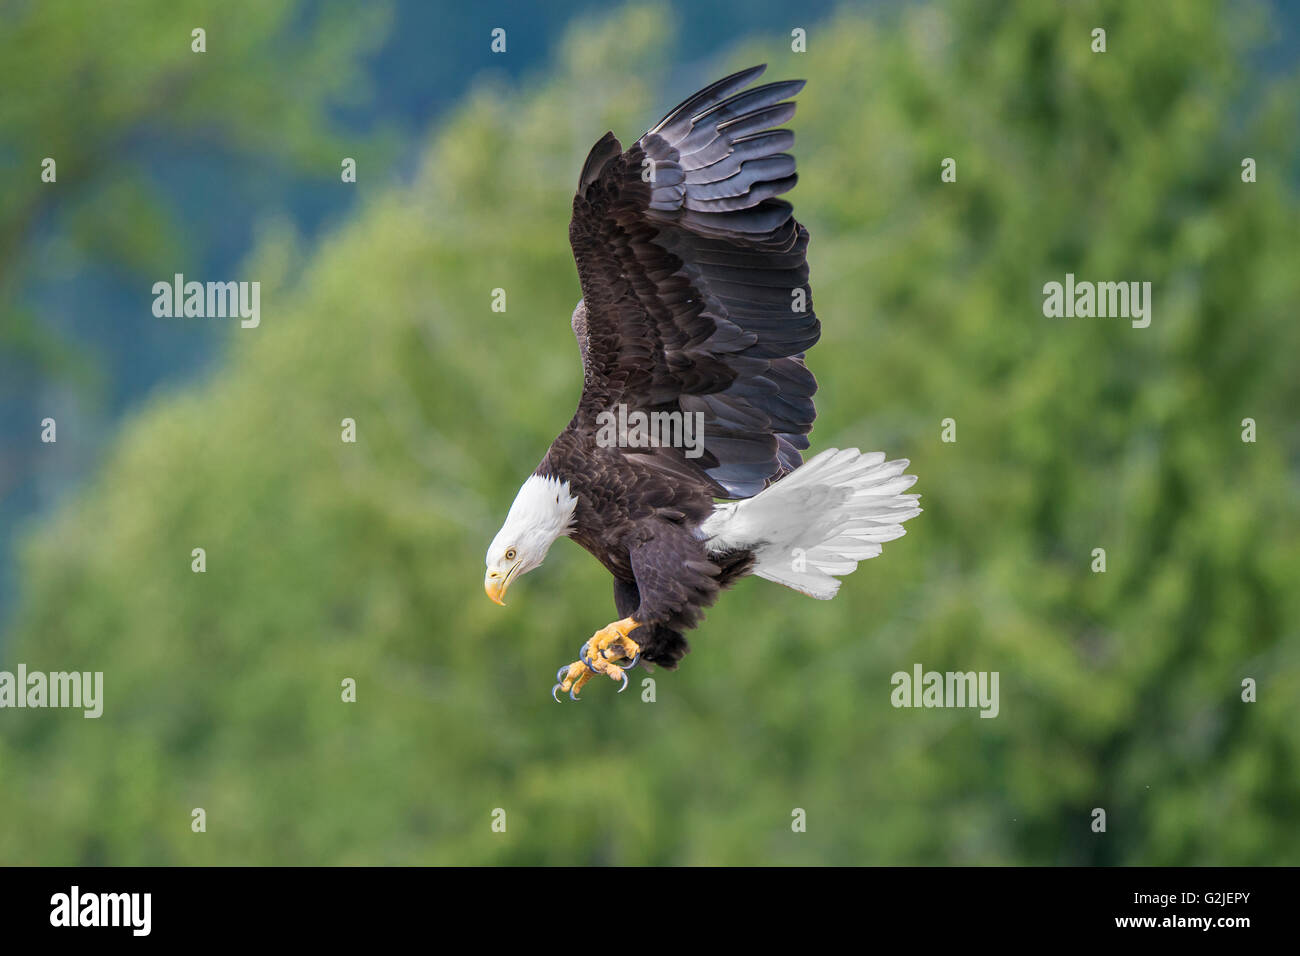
x=325, y=560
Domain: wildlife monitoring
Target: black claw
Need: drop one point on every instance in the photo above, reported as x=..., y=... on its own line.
x=582, y=654
x=622, y=657
x=573, y=695
x=624, y=687
x=556, y=696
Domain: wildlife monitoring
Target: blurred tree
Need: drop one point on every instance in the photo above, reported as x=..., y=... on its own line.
x=328, y=560
x=110, y=125
x=260, y=90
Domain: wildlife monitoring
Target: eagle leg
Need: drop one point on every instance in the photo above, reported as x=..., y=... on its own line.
x=583, y=655
x=613, y=637
x=611, y=643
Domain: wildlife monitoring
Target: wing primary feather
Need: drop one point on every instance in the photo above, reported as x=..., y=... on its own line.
x=688, y=280
x=693, y=105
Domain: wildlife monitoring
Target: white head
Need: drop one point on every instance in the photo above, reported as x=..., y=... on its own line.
x=543, y=510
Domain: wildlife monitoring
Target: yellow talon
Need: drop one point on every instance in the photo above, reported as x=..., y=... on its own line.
x=614, y=636
x=598, y=659
x=576, y=675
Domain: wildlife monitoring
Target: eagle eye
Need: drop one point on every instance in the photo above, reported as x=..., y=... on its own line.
x=510, y=554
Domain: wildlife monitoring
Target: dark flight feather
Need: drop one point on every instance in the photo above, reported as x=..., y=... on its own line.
x=685, y=275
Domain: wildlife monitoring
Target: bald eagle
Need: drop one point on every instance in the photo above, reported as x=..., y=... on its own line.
x=695, y=308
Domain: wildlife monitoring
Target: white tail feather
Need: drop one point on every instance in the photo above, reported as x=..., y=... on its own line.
x=818, y=522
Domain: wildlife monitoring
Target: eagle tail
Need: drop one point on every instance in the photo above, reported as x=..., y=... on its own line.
x=814, y=526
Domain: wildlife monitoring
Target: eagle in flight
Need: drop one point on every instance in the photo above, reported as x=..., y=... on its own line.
x=695, y=309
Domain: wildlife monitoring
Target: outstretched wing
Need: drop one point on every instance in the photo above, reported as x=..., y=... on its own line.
x=695, y=280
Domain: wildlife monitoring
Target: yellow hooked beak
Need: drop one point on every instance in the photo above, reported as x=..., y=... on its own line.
x=495, y=584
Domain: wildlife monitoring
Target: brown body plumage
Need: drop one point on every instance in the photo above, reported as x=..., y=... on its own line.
x=689, y=305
